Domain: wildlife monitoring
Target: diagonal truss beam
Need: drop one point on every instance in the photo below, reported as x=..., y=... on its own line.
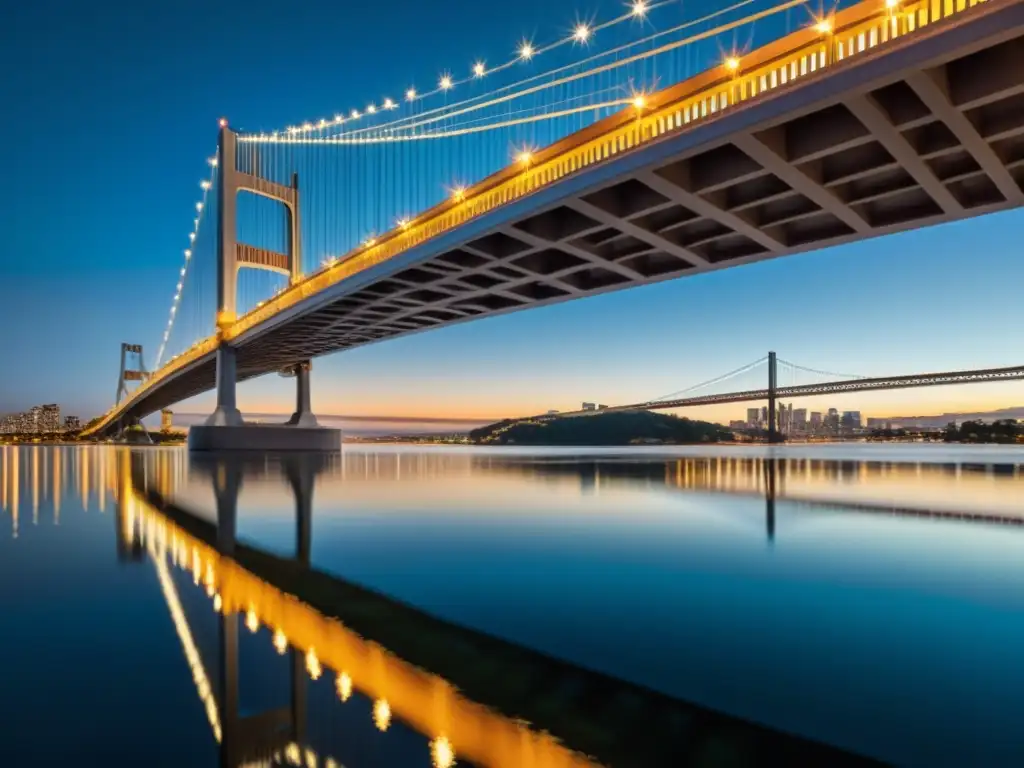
x=867, y=110
x=768, y=150
x=932, y=87
x=635, y=230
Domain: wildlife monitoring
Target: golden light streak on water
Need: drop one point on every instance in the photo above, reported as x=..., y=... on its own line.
x=425, y=702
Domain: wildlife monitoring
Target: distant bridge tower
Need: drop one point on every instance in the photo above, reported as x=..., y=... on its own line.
x=233, y=255
x=773, y=385
x=133, y=368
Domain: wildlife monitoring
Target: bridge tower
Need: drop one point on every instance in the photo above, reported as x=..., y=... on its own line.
x=133, y=368
x=217, y=433
x=233, y=255
x=773, y=384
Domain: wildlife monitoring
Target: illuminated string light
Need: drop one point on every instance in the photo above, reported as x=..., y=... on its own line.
x=205, y=185
x=252, y=621
x=372, y=109
x=639, y=101
x=890, y=4
x=389, y=104
x=442, y=755
x=824, y=26
x=355, y=114
x=280, y=642
x=732, y=63
x=313, y=664
x=344, y=686
x=339, y=119
x=581, y=33
x=524, y=157
x=381, y=714
x=458, y=193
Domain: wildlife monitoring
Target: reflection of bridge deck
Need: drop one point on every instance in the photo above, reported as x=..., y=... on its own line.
x=618, y=723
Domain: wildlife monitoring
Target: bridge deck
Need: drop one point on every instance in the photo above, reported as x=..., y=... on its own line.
x=889, y=124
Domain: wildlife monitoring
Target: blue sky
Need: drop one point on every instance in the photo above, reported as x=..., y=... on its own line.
x=110, y=114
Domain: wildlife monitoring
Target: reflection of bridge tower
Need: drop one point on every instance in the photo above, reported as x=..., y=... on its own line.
x=257, y=737
x=247, y=739
x=129, y=546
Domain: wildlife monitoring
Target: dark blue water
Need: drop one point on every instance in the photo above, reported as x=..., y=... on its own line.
x=868, y=597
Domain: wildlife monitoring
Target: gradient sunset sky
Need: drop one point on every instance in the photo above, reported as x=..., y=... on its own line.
x=109, y=117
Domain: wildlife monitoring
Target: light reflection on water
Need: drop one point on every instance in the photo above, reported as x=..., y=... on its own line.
x=865, y=596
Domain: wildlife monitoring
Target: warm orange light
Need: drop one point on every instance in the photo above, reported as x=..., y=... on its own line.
x=458, y=193
x=824, y=26
x=446, y=82
x=223, y=122
x=639, y=101
x=478, y=69
x=890, y=4
x=441, y=753
x=525, y=157
x=526, y=51
x=344, y=686
x=581, y=34
x=381, y=714
x=732, y=63
x=639, y=9
x=410, y=94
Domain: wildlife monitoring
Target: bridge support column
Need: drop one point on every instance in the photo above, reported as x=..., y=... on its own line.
x=773, y=430
x=226, y=414
x=303, y=416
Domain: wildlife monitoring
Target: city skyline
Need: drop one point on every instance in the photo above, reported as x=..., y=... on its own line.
x=929, y=300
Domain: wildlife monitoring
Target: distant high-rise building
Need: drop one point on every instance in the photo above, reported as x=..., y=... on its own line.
x=737, y=425
x=764, y=415
x=49, y=418
x=589, y=407
x=800, y=419
x=72, y=424
x=850, y=420
x=832, y=419
x=816, y=420
x=753, y=417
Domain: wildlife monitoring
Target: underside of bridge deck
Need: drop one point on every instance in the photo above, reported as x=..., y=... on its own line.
x=924, y=146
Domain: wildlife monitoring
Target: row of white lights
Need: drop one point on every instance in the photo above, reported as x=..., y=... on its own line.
x=581, y=34
x=639, y=102
x=205, y=185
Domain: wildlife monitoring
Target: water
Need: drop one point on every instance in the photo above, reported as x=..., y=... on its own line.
x=699, y=606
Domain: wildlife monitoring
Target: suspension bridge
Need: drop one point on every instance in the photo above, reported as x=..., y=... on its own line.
x=880, y=117
x=836, y=383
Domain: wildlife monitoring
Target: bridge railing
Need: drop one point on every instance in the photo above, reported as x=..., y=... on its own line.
x=790, y=59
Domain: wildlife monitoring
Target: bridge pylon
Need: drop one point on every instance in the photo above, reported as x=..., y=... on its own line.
x=133, y=368
x=225, y=428
x=773, y=385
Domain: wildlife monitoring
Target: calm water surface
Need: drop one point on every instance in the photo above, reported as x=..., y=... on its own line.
x=866, y=597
